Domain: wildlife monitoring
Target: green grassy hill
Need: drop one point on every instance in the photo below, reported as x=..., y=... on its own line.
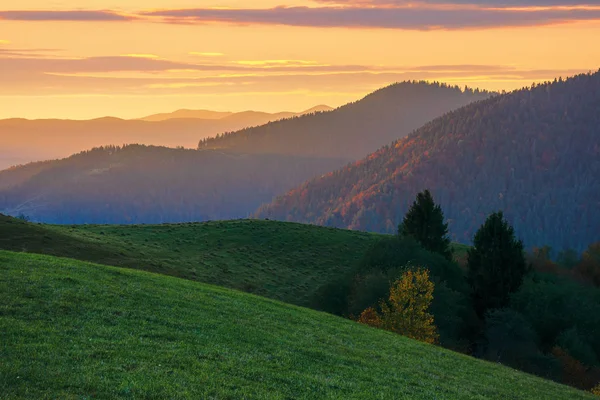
x=283, y=261
x=74, y=330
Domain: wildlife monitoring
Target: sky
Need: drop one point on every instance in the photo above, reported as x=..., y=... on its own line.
x=130, y=58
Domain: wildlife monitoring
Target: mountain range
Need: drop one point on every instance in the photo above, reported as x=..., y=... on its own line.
x=25, y=140
x=231, y=116
x=533, y=153
x=144, y=184
x=353, y=130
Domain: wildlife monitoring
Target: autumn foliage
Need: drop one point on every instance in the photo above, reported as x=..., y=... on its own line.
x=589, y=267
x=406, y=312
x=574, y=372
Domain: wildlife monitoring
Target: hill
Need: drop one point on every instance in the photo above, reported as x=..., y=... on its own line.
x=534, y=153
x=185, y=113
x=72, y=330
x=25, y=141
x=215, y=115
x=148, y=184
x=353, y=130
x=283, y=261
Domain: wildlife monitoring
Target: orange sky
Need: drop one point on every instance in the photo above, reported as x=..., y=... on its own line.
x=132, y=58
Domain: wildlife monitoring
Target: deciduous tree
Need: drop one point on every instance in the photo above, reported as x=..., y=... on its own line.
x=407, y=310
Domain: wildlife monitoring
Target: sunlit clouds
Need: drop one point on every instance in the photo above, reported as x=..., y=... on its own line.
x=205, y=54
x=141, y=55
x=106, y=58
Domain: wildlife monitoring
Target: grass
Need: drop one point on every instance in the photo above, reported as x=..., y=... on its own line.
x=283, y=261
x=280, y=260
x=73, y=330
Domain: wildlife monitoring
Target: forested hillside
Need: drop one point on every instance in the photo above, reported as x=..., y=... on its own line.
x=354, y=130
x=227, y=178
x=534, y=153
x=146, y=184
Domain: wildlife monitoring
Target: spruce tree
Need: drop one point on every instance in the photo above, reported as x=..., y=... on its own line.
x=496, y=264
x=425, y=223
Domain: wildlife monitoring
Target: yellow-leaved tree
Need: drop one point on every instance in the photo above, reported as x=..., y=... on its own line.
x=596, y=390
x=407, y=310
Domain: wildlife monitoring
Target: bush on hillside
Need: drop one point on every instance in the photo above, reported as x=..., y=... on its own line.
x=511, y=340
x=555, y=305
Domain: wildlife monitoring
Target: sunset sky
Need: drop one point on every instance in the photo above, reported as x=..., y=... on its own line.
x=132, y=58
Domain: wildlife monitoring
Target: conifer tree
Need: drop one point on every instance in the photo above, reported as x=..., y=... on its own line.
x=496, y=264
x=407, y=310
x=425, y=222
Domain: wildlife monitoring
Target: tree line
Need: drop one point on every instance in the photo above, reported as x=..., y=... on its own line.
x=496, y=302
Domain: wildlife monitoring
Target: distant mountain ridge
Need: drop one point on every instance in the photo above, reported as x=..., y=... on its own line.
x=208, y=114
x=26, y=140
x=534, y=153
x=353, y=130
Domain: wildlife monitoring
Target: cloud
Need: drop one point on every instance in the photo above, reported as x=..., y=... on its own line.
x=94, y=76
x=99, y=64
x=27, y=53
x=140, y=55
x=479, y=3
x=68, y=15
x=204, y=54
x=373, y=17
x=271, y=63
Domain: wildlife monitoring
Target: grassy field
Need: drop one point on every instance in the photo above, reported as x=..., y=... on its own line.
x=283, y=261
x=73, y=330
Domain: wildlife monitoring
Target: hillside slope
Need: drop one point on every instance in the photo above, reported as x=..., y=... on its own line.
x=76, y=330
x=534, y=153
x=283, y=261
x=353, y=130
x=146, y=184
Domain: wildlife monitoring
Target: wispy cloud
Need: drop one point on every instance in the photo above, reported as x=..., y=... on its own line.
x=68, y=15
x=151, y=56
x=374, y=17
x=481, y=3
x=28, y=53
x=205, y=54
x=385, y=14
x=271, y=63
x=141, y=75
